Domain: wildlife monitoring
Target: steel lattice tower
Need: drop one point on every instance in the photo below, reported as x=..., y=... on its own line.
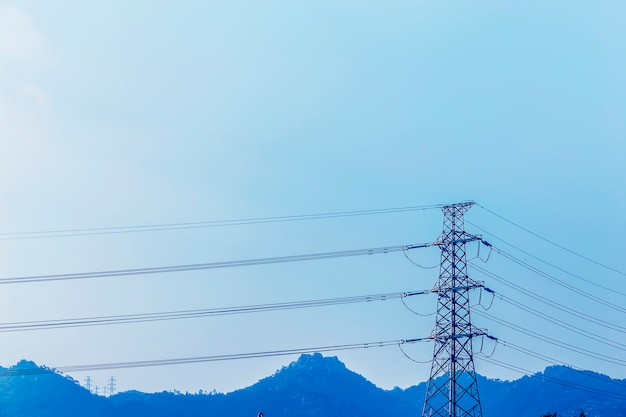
x=452, y=388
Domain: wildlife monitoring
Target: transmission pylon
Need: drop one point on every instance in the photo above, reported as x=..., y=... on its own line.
x=111, y=385
x=452, y=389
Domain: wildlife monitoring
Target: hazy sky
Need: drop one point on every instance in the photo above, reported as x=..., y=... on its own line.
x=119, y=113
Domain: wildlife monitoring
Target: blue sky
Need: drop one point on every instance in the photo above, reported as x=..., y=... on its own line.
x=116, y=113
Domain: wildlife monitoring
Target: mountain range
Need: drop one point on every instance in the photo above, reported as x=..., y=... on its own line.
x=312, y=386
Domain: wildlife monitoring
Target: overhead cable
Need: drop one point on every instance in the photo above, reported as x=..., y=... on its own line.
x=189, y=314
x=213, y=358
x=547, y=301
x=552, y=341
x=206, y=224
x=212, y=265
x=558, y=381
x=537, y=355
x=553, y=243
x=568, y=326
x=560, y=282
x=588, y=281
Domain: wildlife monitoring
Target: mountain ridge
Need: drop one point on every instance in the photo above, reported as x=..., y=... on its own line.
x=311, y=386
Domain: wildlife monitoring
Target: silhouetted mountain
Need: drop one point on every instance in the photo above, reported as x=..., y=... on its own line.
x=316, y=386
x=557, y=389
x=313, y=386
x=30, y=390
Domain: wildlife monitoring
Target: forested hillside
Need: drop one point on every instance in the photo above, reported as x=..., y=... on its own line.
x=312, y=386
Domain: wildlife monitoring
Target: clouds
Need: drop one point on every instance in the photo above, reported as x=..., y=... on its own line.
x=25, y=54
x=24, y=114
x=21, y=42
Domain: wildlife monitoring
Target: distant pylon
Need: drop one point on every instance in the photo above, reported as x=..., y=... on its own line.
x=88, y=383
x=452, y=388
x=112, y=385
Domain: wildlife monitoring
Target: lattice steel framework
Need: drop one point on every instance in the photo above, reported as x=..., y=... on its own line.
x=452, y=388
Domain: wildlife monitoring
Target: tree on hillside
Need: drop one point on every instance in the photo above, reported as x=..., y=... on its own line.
x=581, y=414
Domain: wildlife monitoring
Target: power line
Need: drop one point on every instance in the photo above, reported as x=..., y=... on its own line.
x=212, y=265
x=548, y=301
x=552, y=341
x=561, y=323
x=559, y=281
x=200, y=359
x=552, y=242
x=555, y=380
x=205, y=224
x=275, y=353
x=568, y=326
x=604, y=287
x=188, y=314
x=534, y=354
